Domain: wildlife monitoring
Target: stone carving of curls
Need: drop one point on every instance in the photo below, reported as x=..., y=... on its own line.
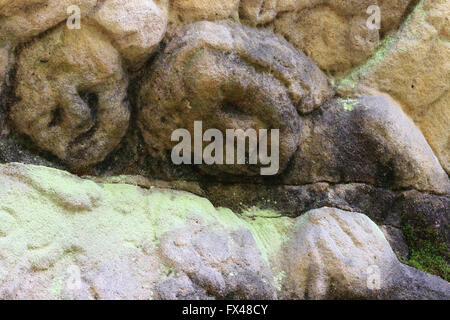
x=229, y=77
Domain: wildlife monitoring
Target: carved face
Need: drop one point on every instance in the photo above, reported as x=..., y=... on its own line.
x=72, y=95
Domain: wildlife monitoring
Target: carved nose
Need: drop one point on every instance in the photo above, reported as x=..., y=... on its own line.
x=81, y=110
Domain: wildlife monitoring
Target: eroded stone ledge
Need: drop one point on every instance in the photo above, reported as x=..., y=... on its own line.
x=165, y=244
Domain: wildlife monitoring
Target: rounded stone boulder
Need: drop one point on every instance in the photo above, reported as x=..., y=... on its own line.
x=21, y=20
x=135, y=26
x=339, y=35
x=71, y=95
x=413, y=67
x=187, y=11
x=335, y=254
x=229, y=77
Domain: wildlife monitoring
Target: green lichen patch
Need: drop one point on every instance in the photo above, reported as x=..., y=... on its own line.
x=351, y=81
x=348, y=104
x=267, y=227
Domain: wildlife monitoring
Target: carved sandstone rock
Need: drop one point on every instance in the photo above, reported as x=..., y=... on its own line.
x=368, y=140
x=5, y=65
x=229, y=77
x=257, y=12
x=62, y=237
x=135, y=26
x=413, y=66
x=334, y=33
x=20, y=20
x=187, y=11
x=338, y=254
x=71, y=90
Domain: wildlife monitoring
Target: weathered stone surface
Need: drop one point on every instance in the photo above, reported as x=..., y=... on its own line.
x=369, y=140
x=229, y=77
x=337, y=254
x=434, y=123
x=71, y=90
x=145, y=245
x=218, y=262
x=64, y=104
x=427, y=213
x=140, y=181
x=135, y=26
x=187, y=11
x=4, y=64
x=413, y=66
x=334, y=33
x=20, y=20
x=397, y=241
x=62, y=237
x=294, y=201
x=257, y=12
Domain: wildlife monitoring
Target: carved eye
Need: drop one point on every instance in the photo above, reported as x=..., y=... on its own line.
x=56, y=116
x=91, y=99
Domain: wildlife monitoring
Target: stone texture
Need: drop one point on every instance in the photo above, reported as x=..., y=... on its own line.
x=334, y=33
x=188, y=11
x=62, y=237
x=413, y=66
x=217, y=262
x=64, y=104
x=229, y=77
x=71, y=90
x=397, y=241
x=336, y=254
x=256, y=12
x=293, y=201
x=20, y=20
x=6, y=62
x=369, y=140
x=149, y=244
x=434, y=123
x=427, y=213
x=135, y=26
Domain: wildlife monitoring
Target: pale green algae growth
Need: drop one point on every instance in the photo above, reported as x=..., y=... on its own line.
x=111, y=219
x=348, y=104
x=125, y=218
x=169, y=210
x=57, y=288
x=268, y=227
x=351, y=80
x=56, y=181
x=278, y=279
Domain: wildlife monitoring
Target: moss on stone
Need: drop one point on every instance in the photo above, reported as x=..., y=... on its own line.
x=428, y=255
